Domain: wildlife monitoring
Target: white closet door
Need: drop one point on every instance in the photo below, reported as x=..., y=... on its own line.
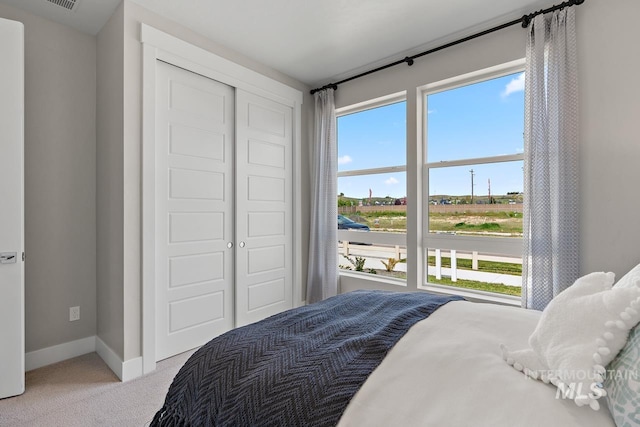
x=194, y=209
x=264, y=222
x=11, y=208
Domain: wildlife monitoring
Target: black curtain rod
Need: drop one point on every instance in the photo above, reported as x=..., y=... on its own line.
x=525, y=21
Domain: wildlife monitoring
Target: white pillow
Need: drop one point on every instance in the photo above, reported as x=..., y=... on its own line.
x=581, y=330
x=630, y=279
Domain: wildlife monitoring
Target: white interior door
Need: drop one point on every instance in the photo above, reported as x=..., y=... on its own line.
x=264, y=220
x=11, y=208
x=194, y=209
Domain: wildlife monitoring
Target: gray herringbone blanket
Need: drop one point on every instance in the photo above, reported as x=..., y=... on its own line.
x=297, y=368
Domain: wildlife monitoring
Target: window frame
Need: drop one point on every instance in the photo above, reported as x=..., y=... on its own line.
x=418, y=204
x=498, y=245
x=381, y=237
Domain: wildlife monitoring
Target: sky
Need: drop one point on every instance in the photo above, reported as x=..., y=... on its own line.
x=479, y=120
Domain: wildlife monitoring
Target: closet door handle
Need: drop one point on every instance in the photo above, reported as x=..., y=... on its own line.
x=230, y=245
x=241, y=244
x=8, y=257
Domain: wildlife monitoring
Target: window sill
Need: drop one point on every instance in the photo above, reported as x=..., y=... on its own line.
x=473, y=295
x=384, y=280
x=371, y=281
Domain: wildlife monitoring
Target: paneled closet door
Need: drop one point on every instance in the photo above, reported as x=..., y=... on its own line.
x=11, y=208
x=264, y=222
x=194, y=209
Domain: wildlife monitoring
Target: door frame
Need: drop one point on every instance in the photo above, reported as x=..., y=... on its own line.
x=160, y=46
x=12, y=274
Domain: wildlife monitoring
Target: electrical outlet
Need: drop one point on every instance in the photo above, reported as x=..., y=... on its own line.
x=74, y=313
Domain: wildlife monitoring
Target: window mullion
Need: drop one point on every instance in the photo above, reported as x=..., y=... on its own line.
x=373, y=171
x=475, y=161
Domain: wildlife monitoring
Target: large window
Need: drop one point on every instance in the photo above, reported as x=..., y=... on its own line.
x=464, y=216
x=372, y=217
x=473, y=182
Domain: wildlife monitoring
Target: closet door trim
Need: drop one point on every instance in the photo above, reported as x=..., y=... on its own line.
x=160, y=46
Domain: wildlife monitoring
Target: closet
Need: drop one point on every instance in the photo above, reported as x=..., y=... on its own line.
x=223, y=208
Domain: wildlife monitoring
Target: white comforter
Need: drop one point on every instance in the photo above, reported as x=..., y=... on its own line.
x=448, y=371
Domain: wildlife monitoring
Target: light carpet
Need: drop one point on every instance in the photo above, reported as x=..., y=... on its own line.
x=83, y=391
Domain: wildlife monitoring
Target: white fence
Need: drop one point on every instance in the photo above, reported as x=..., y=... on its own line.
x=377, y=253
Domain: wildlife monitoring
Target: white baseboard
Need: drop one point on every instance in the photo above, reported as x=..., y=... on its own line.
x=124, y=370
x=58, y=353
x=131, y=369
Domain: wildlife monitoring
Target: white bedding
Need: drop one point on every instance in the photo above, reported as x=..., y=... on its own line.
x=448, y=371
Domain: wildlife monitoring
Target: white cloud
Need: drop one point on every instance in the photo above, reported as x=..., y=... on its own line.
x=431, y=111
x=515, y=85
x=344, y=160
x=391, y=181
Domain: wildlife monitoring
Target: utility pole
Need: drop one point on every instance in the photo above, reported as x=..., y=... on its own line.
x=472, y=174
x=489, y=180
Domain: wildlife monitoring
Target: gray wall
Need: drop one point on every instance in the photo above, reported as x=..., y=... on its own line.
x=60, y=164
x=610, y=148
x=109, y=181
x=609, y=110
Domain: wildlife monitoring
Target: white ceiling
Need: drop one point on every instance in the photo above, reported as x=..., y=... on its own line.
x=87, y=16
x=312, y=41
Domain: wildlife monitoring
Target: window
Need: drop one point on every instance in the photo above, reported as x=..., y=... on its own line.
x=372, y=222
x=473, y=182
x=466, y=223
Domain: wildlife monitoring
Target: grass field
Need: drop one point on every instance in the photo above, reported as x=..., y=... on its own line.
x=486, y=266
x=461, y=283
x=505, y=223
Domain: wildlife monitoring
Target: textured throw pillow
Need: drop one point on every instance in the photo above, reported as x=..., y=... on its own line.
x=630, y=279
x=579, y=333
x=623, y=383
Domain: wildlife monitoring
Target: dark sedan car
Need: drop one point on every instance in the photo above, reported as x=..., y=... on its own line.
x=345, y=223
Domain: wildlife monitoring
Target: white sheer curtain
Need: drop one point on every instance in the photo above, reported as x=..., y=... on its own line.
x=322, y=281
x=551, y=204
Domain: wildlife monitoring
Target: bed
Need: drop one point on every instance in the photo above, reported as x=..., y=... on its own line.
x=442, y=365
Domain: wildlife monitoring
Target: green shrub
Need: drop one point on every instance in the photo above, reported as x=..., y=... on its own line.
x=358, y=263
x=490, y=226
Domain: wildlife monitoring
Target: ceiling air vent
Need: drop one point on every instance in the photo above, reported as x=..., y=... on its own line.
x=67, y=4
